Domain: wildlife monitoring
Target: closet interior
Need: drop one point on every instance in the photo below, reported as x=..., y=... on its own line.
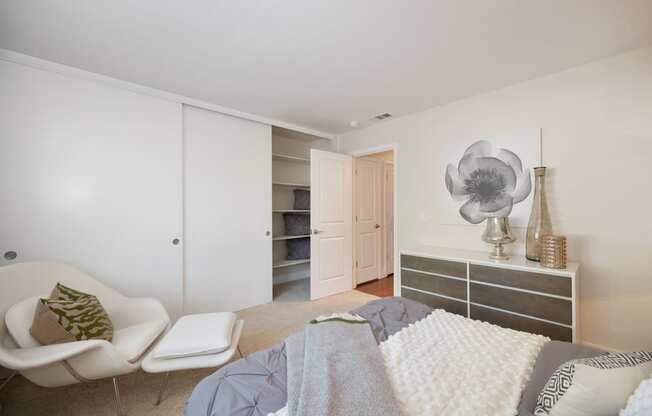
x=291, y=212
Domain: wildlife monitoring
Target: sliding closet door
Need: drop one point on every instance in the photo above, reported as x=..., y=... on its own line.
x=227, y=212
x=91, y=176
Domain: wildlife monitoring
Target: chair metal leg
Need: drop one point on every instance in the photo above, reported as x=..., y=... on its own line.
x=118, y=403
x=8, y=379
x=4, y=383
x=164, y=387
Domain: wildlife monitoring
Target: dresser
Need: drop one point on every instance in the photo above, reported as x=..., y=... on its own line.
x=514, y=293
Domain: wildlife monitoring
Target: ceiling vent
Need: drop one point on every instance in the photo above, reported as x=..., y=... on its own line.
x=382, y=116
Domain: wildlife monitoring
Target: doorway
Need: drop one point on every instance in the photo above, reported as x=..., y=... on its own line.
x=374, y=246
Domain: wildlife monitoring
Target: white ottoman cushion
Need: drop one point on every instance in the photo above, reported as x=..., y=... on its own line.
x=154, y=365
x=200, y=334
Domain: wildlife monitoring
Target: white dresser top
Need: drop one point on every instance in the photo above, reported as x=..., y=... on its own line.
x=516, y=262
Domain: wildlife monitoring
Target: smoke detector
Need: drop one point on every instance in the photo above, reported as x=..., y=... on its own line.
x=382, y=116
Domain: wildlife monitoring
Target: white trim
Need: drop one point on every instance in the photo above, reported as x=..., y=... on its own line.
x=533, y=292
x=397, y=255
x=576, y=313
x=41, y=64
x=373, y=150
x=480, y=258
x=522, y=315
x=434, y=294
x=461, y=279
x=468, y=290
x=602, y=347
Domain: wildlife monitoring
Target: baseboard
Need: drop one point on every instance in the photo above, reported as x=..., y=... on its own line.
x=600, y=347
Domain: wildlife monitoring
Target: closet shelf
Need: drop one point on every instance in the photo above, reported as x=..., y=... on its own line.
x=286, y=263
x=298, y=211
x=289, y=237
x=290, y=158
x=291, y=185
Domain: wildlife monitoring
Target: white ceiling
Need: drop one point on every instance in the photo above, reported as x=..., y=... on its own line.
x=322, y=63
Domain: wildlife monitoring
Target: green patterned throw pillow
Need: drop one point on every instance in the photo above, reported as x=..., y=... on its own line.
x=65, y=293
x=70, y=315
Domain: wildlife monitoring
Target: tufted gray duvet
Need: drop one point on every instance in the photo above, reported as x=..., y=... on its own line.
x=257, y=384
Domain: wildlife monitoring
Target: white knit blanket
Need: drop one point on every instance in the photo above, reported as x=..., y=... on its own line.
x=448, y=365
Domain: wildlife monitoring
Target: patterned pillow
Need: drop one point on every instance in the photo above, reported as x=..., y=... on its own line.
x=68, y=316
x=593, y=386
x=65, y=293
x=640, y=403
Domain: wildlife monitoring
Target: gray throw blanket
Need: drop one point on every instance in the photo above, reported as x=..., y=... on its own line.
x=334, y=368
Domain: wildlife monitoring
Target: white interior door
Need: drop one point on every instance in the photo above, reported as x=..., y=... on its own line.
x=368, y=229
x=389, y=218
x=92, y=176
x=227, y=213
x=331, y=267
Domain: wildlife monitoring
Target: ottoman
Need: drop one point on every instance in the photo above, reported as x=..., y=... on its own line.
x=195, y=341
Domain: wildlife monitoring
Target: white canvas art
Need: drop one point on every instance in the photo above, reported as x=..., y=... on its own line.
x=489, y=177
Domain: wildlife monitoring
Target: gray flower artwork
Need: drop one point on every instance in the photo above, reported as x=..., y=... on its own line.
x=489, y=183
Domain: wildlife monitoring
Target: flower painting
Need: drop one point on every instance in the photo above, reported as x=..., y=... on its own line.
x=490, y=184
x=490, y=177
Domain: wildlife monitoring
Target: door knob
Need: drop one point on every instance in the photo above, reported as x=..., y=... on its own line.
x=176, y=242
x=10, y=255
x=316, y=231
x=268, y=233
x=377, y=226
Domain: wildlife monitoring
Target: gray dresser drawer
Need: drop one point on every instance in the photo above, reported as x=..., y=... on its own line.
x=538, y=282
x=437, y=302
x=523, y=296
x=448, y=268
x=431, y=283
x=519, y=323
x=544, y=307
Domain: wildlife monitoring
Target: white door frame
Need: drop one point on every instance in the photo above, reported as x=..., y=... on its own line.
x=386, y=167
x=368, y=152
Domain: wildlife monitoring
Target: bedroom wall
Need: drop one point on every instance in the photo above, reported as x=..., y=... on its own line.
x=91, y=175
x=597, y=142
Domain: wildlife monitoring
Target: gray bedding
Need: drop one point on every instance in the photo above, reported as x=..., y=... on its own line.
x=329, y=365
x=257, y=384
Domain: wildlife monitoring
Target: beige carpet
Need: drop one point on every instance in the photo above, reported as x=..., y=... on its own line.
x=265, y=325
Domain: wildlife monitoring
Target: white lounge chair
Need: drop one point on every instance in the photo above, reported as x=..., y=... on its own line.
x=137, y=322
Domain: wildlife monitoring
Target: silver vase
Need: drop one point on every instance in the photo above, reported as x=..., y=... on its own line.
x=498, y=233
x=539, y=223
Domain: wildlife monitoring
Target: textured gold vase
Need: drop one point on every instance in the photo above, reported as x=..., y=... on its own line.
x=553, y=251
x=539, y=224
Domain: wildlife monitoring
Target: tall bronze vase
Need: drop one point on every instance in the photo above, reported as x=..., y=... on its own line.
x=539, y=224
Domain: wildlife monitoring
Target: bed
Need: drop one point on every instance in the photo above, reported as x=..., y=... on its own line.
x=257, y=385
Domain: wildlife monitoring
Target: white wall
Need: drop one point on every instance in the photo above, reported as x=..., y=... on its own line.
x=91, y=176
x=597, y=142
